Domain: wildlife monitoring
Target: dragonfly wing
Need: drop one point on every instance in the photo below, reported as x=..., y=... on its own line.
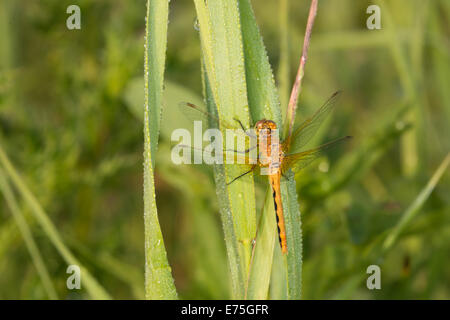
x=196, y=113
x=245, y=155
x=209, y=155
x=204, y=156
x=306, y=130
x=300, y=160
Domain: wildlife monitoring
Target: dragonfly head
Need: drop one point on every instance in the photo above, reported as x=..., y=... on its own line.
x=264, y=124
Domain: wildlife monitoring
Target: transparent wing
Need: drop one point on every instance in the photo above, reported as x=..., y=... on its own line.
x=236, y=137
x=298, y=161
x=210, y=155
x=187, y=154
x=243, y=154
x=196, y=113
x=306, y=130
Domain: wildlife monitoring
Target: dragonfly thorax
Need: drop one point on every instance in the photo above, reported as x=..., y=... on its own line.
x=270, y=152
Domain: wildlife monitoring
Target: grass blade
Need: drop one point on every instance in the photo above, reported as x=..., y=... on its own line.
x=127, y=273
x=266, y=240
x=264, y=104
x=278, y=283
x=414, y=208
x=409, y=146
x=95, y=290
x=292, y=218
x=155, y=58
x=237, y=271
x=261, y=90
x=27, y=237
x=220, y=34
x=159, y=283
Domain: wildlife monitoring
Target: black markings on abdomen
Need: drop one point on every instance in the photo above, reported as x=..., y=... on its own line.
x=274, y=194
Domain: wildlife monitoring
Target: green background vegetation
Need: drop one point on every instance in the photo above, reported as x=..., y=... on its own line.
x=71, y=124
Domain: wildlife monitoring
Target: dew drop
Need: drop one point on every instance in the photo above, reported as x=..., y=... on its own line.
x=324, y=166
x=399, y=125
x=196, y=25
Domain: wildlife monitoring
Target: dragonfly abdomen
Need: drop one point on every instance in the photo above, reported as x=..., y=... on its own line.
x=276, y=193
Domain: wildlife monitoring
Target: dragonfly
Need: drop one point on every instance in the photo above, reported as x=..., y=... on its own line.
x=273, y=154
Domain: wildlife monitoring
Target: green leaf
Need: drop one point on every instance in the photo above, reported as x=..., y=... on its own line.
x=261, y=90
x=159, y=283
x=264, y=104
x=266, y=240
x=155, y=58
x=278, y=283
x=220, y=34
x=294, y=237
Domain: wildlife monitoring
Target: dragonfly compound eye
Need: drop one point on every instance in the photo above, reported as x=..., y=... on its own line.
x=260, y=124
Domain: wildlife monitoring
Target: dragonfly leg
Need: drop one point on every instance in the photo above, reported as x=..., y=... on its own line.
x=240, y=123
x=244, y=151
x=243, y=128
x=241, y=175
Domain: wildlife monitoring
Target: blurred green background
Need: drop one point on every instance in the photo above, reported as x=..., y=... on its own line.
x=71, y=110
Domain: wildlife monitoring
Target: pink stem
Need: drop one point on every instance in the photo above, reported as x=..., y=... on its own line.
x=292, y=107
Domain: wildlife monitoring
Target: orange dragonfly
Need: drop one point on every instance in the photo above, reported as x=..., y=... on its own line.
x=273, y=155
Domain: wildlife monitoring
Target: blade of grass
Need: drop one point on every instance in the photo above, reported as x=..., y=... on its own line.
x=129, y=274
x=278, y=283
x=261, y=85
x=155, y=58
x=222, y=48
x=417, y=204
x=237, y=270
x=410, y=159
x=440, y=65
x=95, y=290
x=204, y=22
x=264, y=104
x=27, y=237
x=261, y=90
x=260, y=270
x=292, y=218
x=159, y=283
x=197, y=191
x=381, y=248
x=9, y=235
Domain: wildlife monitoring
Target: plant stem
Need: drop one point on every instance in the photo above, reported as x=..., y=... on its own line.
x=292, y=107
